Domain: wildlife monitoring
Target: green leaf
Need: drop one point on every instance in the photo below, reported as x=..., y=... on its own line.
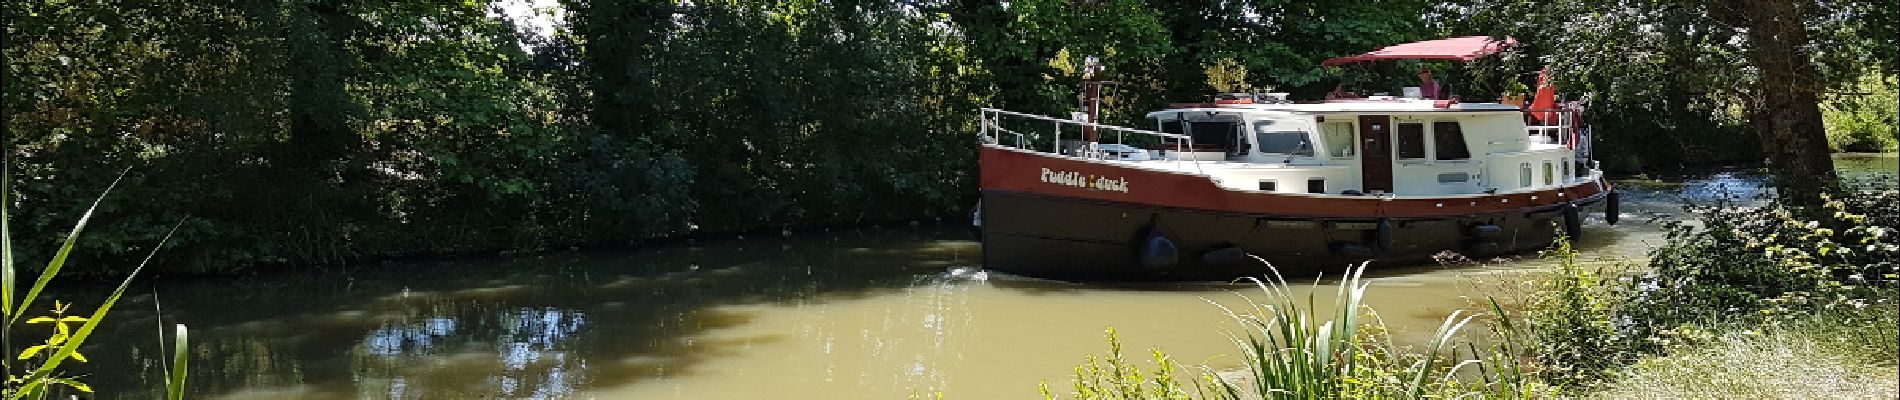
x=31, y=351
x=35, y=381
x=6, y=238
x=175, y=384
x=74, y=384
x=65, y=249
x=36, y=320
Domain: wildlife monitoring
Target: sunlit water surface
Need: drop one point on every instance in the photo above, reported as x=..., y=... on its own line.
x=872, y=314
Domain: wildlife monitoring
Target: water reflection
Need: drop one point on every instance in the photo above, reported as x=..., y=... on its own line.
x=537, y=328
x=850, y=314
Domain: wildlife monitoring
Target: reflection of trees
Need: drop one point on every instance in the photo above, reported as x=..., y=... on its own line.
x=539, y=328
x=254, y=362
x=528, y=357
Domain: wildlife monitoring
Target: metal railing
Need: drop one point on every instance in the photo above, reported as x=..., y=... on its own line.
x=992, y=131
x=1554, y=125
x=1564, y=126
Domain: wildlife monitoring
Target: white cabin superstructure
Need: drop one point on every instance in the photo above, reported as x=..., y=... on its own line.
x=1430, y=149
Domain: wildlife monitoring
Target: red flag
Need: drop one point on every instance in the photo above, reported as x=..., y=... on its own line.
x=1545, y=100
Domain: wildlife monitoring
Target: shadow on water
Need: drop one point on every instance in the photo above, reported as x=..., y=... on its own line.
x=537, y=328
x=855, y=310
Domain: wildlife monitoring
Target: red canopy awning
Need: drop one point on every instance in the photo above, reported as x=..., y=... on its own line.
x=1458, y=48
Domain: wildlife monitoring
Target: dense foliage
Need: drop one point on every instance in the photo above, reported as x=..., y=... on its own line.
x=324, y=131
x=1772, y=260
x=317, y=132
x=1731, y=267
x=1675, y=83
x=1864, y=118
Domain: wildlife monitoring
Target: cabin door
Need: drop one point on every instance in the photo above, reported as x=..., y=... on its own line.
x=1375, y=154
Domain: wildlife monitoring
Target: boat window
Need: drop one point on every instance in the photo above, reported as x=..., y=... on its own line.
x=1566, y=166
x=1213, y=135
x=1548, y=173
x=1316, y=185
x=1338, y=139
x=1449, y=139
x=1282, y=139
x=1269, y=185
x=1524, y=175
x=1411, y=140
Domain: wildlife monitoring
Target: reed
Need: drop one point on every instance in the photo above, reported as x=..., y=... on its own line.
x=1293, y=348
x=38, y=379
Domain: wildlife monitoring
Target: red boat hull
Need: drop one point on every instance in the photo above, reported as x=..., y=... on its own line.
x=1076, y=219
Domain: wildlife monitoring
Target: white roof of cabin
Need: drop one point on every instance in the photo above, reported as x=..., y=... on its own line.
x=1393, y=106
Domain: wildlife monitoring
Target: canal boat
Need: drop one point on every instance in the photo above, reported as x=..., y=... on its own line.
x=1306, y=186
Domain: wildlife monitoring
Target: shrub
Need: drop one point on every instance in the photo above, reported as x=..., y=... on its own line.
x=1863, y=120
x=1770, y=261
x=1569, y=316
x=1113, y=377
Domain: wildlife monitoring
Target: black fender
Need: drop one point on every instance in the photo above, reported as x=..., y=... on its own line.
x=1484, y=248
x=1573, y=222
x=1613, y=207
x=1154, y=251
x=976, y=220
x=1485, y=232
x=1354, y=250
x=1384, y=235
x=1224, y=256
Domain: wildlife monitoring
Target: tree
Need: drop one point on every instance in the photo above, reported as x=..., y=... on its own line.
x=1762, y=57
x=1786, y=112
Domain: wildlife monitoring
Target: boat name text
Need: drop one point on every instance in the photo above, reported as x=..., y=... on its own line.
x=1077, y=179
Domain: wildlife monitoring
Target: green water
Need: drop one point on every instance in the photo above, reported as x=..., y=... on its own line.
x=873, y=314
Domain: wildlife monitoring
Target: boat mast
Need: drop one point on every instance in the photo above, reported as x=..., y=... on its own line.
x=1091, y=98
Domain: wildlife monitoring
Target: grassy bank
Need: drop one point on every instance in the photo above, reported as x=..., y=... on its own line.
x=1839, y=357
x=1757, y=301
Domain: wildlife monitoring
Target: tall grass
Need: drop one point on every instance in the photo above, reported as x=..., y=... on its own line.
x=1293, y=348
x=1829, y=357
x=41, y=372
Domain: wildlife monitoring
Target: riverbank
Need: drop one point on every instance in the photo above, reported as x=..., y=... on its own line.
x=1761, y=301
x=844, y=314
x=1743, y=299
x=1839, y=357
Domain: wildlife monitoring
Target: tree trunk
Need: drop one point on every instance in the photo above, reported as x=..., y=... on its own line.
x=1788, y=118
x=319, y=104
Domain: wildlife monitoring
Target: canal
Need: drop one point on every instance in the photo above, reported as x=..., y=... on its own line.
x=872, y=314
